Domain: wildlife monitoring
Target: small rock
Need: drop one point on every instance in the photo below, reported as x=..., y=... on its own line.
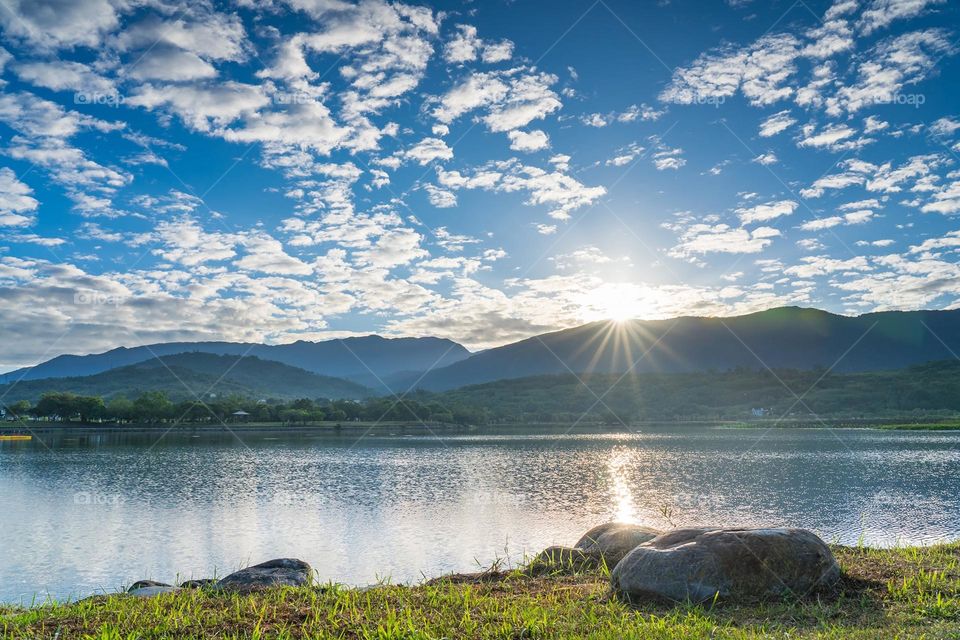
x=288, y=572
x=614, y=540
x=146, y=592
x=558, y=559
x=198, y=583
x=140, y=584
x=746, y=564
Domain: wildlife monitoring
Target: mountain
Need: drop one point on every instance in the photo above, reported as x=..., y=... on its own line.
x=788, y=337
x=183, y=375
x=365, y=358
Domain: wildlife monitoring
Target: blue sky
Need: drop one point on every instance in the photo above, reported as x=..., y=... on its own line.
x=306, y=169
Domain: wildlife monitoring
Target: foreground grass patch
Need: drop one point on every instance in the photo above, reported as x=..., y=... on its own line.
x=900, y=593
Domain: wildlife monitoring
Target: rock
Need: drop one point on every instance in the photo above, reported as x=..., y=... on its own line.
x=140, y=584
x=198, y=583
x=288, y=572
x=732, y=564
x=614, y=540
x=146, y=592
x=562, y=560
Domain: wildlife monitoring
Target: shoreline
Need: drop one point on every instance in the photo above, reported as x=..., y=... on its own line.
x=890, y=424
x=908, y=592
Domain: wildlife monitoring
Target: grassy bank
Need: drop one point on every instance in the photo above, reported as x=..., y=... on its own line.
x=902, y=593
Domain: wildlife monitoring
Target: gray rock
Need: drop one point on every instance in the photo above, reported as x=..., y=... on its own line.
x=558, y=559
x=732, y=564
x=198, y=583
x=140, y=584
x=612, y=541
x=288, y=572
x=147, y=592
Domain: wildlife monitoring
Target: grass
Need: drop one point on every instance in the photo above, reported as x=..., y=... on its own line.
x=898, y=593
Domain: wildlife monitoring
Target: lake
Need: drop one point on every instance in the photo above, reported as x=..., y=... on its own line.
x=87, y=512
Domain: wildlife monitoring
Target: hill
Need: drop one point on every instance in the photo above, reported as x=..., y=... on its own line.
x=788, y=337
x=366, y=358
x=923, y=389
x=199, y=373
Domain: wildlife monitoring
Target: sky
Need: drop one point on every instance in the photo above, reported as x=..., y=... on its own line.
x=480, y=171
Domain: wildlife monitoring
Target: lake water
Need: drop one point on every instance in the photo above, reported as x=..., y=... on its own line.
x=91, y=512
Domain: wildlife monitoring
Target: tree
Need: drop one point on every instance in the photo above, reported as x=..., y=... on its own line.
x=120, y=409
x=19, y=408
x=152, y=406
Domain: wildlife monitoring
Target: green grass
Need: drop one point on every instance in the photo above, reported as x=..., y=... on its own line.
x=900, y=593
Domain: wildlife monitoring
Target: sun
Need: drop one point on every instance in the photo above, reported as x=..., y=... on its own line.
x=617, y=302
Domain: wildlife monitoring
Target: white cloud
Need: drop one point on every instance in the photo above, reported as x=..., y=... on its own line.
x=528, y=141
x=859, y=216
x=428, y=150
x=768, y=211
x=467, y=46
x=705, y=238
x=440, y=198
x=511, y=99
x=553, y=188
x=832, y=136
x=669, y=159
x=266, y=254
x=767, y=70
x=65, y=75
x=822, y=265
x=778, y=122
x=203, y=107
x=881, y=13
x=889, y=67
x=17, y=203
x=946, y=200
x=760, y=71
x=766, y=159
x=944, y=127
x=52, y=24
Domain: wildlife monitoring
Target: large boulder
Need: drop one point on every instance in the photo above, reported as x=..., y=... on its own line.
x=746, y=564
x=283, y=572
x=612, y=541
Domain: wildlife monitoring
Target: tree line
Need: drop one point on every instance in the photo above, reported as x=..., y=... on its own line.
x=154, y=407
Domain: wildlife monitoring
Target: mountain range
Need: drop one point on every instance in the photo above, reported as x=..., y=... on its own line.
x=187, y=376
x=781, y=338
x=786, y=337
x=364, y=359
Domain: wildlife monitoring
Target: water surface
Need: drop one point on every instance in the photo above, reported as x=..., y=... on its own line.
x=81, y=513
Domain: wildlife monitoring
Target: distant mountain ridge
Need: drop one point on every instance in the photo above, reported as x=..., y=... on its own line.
x=186, y=376
x=365, y=358
x=786, y=337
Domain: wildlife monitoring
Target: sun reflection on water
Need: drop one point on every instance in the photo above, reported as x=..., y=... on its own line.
x=621, y=496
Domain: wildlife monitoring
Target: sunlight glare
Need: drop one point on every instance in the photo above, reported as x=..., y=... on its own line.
x=617, y=302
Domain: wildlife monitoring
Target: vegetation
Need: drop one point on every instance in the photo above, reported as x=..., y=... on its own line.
x=153, y=407
x=898, y=593
x=926, y=391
